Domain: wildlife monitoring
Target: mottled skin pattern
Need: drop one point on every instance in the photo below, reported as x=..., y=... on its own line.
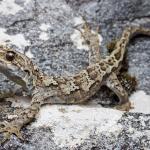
x=69, y=90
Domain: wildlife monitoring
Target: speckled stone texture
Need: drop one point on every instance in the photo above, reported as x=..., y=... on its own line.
x=42, y=29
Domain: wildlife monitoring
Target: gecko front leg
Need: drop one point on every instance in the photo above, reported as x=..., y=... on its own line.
x=14, y=127
x=25, y=117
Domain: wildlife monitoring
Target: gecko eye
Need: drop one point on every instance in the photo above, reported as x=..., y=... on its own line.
x=10, y=56
x=87, y=42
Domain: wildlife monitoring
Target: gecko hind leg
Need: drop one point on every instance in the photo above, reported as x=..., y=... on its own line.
x=113, y=83
x=93, y=43
x=94, y=57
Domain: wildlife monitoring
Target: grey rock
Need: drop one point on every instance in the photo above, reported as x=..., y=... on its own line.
x=55, y=53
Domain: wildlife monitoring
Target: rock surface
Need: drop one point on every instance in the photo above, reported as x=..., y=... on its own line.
x=44, y=30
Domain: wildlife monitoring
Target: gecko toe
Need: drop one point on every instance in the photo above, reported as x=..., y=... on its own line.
x=124, y=107
x=8, y=129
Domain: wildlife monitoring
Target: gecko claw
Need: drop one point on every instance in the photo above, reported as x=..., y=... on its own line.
x=8, y=129
x=124, y=107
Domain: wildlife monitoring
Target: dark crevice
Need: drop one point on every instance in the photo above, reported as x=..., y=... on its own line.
x=19, y=21
x=127, y=19
x=140, y=17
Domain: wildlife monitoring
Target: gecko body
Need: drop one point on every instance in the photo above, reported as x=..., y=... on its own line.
x=69, y=90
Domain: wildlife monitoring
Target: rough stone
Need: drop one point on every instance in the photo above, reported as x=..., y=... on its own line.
x=42, y=29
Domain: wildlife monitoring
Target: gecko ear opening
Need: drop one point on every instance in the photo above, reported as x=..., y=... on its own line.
x=10, y=55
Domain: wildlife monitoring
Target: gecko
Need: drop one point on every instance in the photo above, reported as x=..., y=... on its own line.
x=74, y=89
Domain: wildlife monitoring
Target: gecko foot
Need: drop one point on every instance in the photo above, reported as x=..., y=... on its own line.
x=8, y=129
x=124, y=107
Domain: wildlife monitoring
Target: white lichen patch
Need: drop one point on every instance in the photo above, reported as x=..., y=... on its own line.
x=8, y=7
x=43, y=36
x=75, y=125
x=44, y=27
x=17, y=39
x=78, y=21
x=141, y=102
x=12, y=117
x=27, y=2
x=77, y=37
x=78, y=40
x=29, y=54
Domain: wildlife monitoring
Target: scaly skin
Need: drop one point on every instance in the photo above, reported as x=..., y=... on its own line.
x=69, y=90
x=92, y=40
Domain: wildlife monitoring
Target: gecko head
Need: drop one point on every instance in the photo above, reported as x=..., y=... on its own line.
x=14, y=64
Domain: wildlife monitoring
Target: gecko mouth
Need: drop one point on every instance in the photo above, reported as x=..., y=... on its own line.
x=13, y=73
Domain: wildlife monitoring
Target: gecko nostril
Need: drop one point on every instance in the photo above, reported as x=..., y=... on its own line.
x=10, y=55
x=27, y=71
x=87, y=42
